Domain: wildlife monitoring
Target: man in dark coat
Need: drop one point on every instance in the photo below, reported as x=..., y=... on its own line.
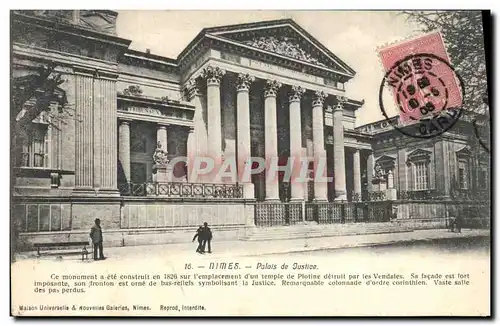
x=199, y=235
x=207, y=237
x=96, y=236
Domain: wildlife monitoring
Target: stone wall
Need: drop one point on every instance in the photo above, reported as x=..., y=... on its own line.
x=160, y=214
x=134, y=222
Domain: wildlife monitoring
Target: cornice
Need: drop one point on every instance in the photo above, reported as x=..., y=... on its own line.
x=143, y=101
x=69, y=29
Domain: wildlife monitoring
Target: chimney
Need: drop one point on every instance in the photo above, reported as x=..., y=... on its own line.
x=148, y=51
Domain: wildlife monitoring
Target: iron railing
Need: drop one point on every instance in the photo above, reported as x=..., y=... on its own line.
x=183, y=190
x=377, y=196
x=466, y=194
x=455, y=194
x=346, y=212
x=417, y=194
x=277, y=214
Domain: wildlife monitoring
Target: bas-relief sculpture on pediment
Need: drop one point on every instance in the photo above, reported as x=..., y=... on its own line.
x=283, y=45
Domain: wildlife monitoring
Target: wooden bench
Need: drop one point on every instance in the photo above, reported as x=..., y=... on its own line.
x=83, y=244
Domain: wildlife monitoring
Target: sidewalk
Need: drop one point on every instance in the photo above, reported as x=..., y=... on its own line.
x=257, y=248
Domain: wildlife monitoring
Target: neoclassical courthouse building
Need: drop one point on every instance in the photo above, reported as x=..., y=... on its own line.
x=265, y=89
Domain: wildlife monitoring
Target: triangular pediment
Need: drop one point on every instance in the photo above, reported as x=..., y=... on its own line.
x=385, y=158
x=464, y=151
x=284, y=38
x=385, y=162
x=419, y=154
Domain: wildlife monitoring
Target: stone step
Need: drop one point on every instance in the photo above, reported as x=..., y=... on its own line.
x=316, y=231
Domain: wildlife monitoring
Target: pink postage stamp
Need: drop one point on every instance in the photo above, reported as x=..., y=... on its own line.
x=422, y=80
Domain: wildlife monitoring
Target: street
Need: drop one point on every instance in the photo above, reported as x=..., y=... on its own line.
x=479, y=246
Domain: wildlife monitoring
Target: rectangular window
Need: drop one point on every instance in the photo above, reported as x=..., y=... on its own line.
x=463, y=175
x=421, y=176
x=34, y=147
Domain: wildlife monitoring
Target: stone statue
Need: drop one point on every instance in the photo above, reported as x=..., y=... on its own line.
x=379, y=174
x=160, y=155
x=390, y=179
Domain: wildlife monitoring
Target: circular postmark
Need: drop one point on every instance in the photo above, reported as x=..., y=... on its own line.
x=422, y=95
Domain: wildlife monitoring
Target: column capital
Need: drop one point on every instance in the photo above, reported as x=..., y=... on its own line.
x=192, y=89
x=212, y=74
x=319, y=98
x=244, y=82
x=341, y=100
x=271, y=88
x=296, y=94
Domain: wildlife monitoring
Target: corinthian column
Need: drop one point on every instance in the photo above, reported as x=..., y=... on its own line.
x=243, y=129
x=338, y=150
x=271, y=136
x=213, y=75
x=320, y=186
x=297, y=190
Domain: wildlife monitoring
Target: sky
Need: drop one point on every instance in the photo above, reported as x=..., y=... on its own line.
x=353, y=36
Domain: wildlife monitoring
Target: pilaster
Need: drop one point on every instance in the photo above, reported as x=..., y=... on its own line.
x=442, y=168
x=84, y=133
x=357, y=171
x=369, y=170
x=105, y=133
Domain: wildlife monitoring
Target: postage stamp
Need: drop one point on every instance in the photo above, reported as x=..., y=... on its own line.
x=426, y=88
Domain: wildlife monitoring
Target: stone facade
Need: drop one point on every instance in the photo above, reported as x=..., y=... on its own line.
x=235, y=91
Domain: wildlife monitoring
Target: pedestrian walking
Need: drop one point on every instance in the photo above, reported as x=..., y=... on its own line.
x=199, y=235
x=96, y=236
x=459, y=223
x=207, y=237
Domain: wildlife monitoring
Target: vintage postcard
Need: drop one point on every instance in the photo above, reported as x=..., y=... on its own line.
x=250, y=163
